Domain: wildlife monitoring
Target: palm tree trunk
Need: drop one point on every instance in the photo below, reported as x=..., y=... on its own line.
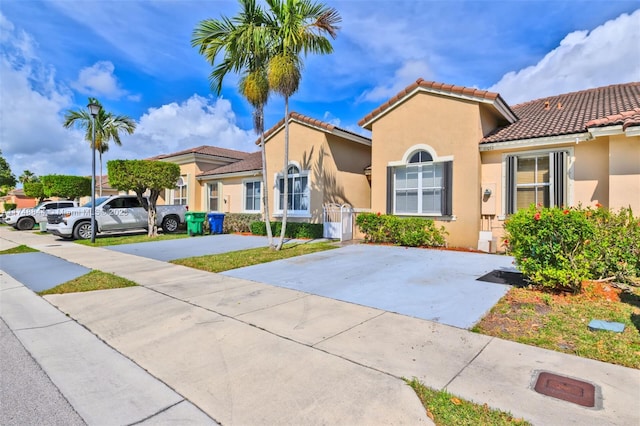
x=100, y=190
x=265, y=191
x=285, y=203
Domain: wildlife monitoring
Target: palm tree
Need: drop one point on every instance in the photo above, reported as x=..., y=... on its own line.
x=108, y=128
x=245, y=43
x=28, y=176
x=297, y=26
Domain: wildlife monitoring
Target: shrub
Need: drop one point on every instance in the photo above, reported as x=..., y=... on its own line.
x=239, y=222
x=9, y=206
x=559, y=248
x=410, y=232
x=294, y=229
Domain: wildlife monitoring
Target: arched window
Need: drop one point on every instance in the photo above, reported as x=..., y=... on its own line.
x=421, y=186
x=298, y=191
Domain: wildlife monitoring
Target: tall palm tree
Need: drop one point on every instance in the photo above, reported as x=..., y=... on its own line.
x=297, y=26
x=28, y=176
x=245, y=43
x=108, y=128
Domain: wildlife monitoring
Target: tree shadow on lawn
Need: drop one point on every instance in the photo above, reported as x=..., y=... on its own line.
x=633, y=300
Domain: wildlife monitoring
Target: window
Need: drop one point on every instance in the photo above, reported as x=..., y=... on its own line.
x=298, y=191
x=421, y=187
x=252, y=195
x=537, y=178
x=180, y=192
x=213, y=191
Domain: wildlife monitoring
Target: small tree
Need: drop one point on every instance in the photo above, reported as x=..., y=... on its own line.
x=64, y=186
x=35, y=190
x=144, y=176
x=7, y=178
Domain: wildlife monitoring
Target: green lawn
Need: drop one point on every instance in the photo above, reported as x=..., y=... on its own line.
x=94, y=280
x=141, y=237
x=18, y=250
x=239, y=259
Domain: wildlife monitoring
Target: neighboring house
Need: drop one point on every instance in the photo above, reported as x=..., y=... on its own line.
x=193, y=162
x=327, y=164
x=17, y=197
x=467, y=159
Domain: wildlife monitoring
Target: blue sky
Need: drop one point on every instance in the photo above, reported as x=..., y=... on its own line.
x=136, y=57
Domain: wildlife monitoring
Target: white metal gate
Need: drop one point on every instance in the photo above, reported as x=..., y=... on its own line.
x=338, y=221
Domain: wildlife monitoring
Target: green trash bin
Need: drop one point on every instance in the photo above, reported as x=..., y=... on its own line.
x=195, y=220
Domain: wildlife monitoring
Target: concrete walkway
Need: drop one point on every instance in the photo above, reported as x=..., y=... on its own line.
x=213, y=348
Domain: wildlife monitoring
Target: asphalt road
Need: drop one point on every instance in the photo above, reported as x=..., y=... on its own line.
x=27, y=395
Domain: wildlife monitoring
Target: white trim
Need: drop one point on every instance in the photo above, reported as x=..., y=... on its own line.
x=208, y=197
x=632, y=131
x=420, y=147
x=247, y=173
x=574, y=138
x=276, y=192
x=336, y=131
x=597, y=132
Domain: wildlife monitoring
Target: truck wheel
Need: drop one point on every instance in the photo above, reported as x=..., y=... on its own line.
x=170, y=224
x=25, y=223
x=82, y=231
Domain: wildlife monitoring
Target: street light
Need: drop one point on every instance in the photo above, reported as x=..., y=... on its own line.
x=94, y=110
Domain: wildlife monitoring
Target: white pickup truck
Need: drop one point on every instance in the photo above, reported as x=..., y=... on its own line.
x=115, y=213
x=25, y=219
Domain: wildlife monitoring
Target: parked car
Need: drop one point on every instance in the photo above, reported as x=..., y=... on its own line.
x=25, y=219
x=114, y=213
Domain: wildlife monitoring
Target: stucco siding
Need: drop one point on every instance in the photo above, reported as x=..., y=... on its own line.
x=452, y=128
x=591, y=173
x=624, y=170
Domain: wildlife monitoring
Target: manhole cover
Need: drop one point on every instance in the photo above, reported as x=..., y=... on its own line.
x=566, y=389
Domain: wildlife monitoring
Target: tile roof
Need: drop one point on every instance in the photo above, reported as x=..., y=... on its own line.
x=572, y=113
x=626, y=119
x=213, y=151
x=330, y=128
x=251, y=162
x=434, y=87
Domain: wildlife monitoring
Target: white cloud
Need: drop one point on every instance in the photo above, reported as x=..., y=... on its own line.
x=177, y=126
x=607, y=55
x=99, y=80
x=409, y=72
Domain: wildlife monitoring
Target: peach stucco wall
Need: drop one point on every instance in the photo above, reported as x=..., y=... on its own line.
x=453, y=128
x=591, y=173
x=336, y=168
x=624, y=171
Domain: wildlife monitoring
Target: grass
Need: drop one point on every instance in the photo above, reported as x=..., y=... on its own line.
x=560, y=322
x=19, y=249
x=238, y=259
x=448, y=410
x=105, y=240
x=94, y=280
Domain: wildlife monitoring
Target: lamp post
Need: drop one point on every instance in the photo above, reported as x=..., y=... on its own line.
x=94, y=110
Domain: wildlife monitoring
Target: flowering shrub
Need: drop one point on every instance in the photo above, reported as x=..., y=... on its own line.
x=559, y=248
x=410, y=232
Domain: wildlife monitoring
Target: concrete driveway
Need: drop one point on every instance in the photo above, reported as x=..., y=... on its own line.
x=435, y=285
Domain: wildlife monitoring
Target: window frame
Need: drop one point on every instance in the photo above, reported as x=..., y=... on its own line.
x=245, y=184
x=306, y=192
x=183, y=196
x=560, y=193
x=218, y=198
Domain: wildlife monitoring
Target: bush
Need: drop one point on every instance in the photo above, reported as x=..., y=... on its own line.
x=559, y=248
x=410, y=232
x=239, y=222
x=294, y=229
x=9, y=206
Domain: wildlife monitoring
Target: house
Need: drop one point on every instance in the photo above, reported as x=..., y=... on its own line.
x=17, y=197
x=460, y=156
x=467, y=159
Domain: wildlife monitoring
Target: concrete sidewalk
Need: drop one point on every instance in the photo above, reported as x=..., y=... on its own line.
x=249, y=353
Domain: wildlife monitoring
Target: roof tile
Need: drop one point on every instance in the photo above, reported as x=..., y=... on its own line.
x=251, y=162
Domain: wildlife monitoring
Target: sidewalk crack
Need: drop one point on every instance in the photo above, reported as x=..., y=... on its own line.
x=467, y=364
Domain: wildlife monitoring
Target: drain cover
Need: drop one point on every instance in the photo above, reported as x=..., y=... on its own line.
x=566, y=389
x=504, y=277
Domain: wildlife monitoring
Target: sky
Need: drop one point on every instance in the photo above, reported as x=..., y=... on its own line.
x=135, y=56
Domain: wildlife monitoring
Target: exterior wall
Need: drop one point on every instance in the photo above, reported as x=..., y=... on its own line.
x=452, y=128
x=591, y=173
x=624, y=172
x=332, y=162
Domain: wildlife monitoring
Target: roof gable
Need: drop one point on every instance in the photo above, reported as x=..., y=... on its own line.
x=442, y=89
x=318, y=125
x=206, y=150
x=252, y=162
